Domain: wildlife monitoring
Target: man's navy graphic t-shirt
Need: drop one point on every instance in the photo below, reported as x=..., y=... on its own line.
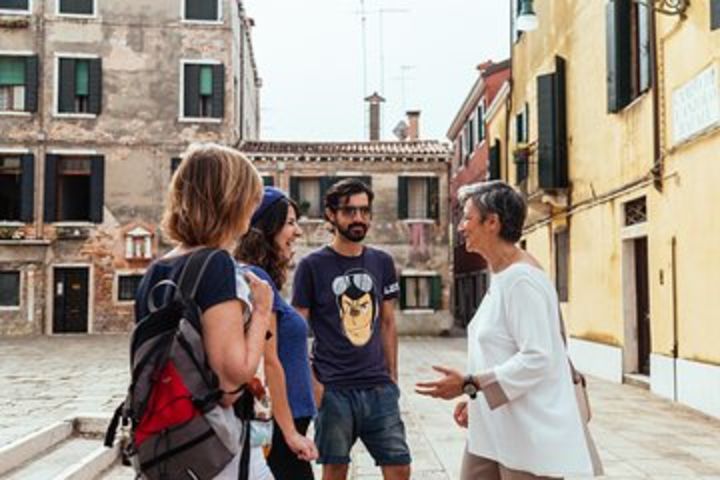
x=344, y=295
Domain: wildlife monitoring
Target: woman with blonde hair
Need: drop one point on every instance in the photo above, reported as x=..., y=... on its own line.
x=522, y=415
x=212, y=197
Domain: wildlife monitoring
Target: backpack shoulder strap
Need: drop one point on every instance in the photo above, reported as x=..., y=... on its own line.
x=193, y=271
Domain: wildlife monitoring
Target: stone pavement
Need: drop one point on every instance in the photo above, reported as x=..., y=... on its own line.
x=45, y=379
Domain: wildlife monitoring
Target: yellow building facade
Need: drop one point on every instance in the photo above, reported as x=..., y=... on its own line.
x=614, y=138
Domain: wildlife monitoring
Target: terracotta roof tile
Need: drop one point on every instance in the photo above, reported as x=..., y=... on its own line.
x=397, y=150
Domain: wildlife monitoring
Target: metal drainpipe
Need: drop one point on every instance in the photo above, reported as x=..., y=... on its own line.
x=41, y=136
x=658, y=161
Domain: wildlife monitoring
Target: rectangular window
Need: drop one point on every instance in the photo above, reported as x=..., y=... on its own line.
x=15, y=5
x=268, y=180
x=418, y=198
x=77, y=7
x=12, y=84
x=481, y=122
x=308, y=197
x=628, y=52
x=203, y=10
x=128, y=286
x=174, y=164
x=79, y=85
x=74, y=187
x=522, y=125
x=421, y=292
x=16, y=187
x=204, y=90
x=10, y=187
x=562, y=248
x=10, y=289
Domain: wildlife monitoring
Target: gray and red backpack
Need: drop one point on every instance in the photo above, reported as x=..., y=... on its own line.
x=178, y=429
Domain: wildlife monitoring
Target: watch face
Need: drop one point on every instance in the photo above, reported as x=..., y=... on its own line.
x=469, y=389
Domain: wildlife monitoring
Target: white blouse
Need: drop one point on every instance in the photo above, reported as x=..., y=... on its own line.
x=527, y=418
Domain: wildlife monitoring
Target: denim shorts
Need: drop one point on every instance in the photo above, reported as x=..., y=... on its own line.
x=370, y=414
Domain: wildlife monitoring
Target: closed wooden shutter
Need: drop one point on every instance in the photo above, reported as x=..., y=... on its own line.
x=66, y=86
x=552, y=148
x=714, y=14
x=295, y=189
x=27, y=190
x=436, y=292
x=619, y=53
x=218, y=96
x=95, y=86
x=97, y=188
x=402, y=198
x=31, y=83
x=50, y=204
x=191, y=97
x=494, y=160
x=561, y=143
x=403, y=293
x=433, y=198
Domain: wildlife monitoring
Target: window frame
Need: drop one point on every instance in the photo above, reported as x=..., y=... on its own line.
x=220, y=20
x=14, y=11
x=92, y=154
x=56, y=90
x=427, y=177
x=94, y=13
x=24, y=54
x=430, y=277
x=481, y=130
x=117, y=290
x=321, y=209
x=181, y=100
x=20, y=284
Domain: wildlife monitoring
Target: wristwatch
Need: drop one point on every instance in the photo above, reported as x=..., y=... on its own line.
x=469, y=387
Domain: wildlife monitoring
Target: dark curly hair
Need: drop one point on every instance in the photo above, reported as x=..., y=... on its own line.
x=258, y=247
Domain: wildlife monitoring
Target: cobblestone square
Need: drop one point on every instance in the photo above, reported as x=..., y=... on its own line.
x=46, y=379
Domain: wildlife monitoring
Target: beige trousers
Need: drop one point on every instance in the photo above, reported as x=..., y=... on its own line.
x=479, y=468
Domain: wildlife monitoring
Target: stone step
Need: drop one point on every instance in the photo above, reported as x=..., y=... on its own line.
x=69, y=450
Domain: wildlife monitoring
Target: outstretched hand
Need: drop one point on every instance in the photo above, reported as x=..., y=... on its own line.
x=447, y=387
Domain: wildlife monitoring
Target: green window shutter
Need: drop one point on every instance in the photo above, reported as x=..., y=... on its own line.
x=494, y=167
x=50, y=204
x=191, y=97
x=218, y=91
x=546, y=130
x=403, y=295
x=95, y=86
x=66, y=87
x=201, y=9
x=206, y=80
x=97, y=188
x=12, y=71
x=436, y=293
x=402, y=198
x=31, y=83
x=268, y=181
x=295, y=189
x=27, y=190
x=82, y=77
x=433, y=198
x=714, y=14
x=618, y=14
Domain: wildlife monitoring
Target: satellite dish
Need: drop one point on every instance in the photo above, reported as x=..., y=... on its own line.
x=401, y=130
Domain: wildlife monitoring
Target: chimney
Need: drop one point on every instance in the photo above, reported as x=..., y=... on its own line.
x=374, y=100
x=413, y=133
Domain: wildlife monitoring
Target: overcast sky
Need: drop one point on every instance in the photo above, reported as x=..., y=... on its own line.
x=310, y=57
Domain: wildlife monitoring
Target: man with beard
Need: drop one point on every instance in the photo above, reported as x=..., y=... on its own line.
x=346, y=291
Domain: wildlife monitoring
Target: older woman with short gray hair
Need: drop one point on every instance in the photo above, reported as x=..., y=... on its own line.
x=525, y=424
